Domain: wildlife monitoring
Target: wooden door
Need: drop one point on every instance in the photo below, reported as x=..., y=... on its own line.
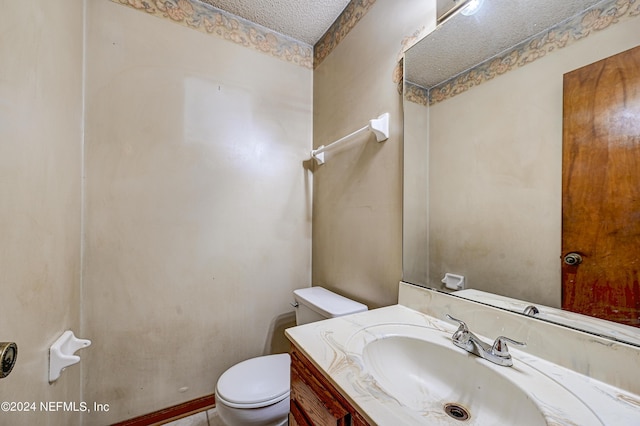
x=601, y=189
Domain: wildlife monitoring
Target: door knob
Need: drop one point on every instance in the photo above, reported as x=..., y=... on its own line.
x=573, y=259
x=8, y=355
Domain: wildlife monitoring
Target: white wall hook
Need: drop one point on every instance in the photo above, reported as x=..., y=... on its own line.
x=61, y=353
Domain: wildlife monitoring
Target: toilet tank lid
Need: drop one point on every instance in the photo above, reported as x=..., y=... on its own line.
x=327, y=303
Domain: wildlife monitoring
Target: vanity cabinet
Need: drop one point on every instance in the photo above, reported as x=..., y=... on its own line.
x=314, y=400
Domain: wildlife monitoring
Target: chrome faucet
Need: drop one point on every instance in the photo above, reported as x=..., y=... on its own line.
x=498, y=353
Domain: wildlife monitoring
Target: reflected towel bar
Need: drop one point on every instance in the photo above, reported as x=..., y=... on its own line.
x=379, y=126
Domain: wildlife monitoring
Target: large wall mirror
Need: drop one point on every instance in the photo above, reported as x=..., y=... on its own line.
x=483, y=142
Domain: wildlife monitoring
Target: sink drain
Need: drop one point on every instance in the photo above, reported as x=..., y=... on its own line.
x=456, y=411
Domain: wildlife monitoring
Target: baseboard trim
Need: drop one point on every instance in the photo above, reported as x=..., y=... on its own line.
x=172, y=413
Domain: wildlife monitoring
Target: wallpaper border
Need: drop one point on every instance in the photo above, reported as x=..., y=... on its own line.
x=350, y=16
x=210, y=20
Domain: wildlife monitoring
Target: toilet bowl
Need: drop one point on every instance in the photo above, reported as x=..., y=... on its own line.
x=255, y=392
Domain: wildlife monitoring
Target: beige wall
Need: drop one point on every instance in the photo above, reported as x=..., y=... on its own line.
x=495, y=174
x=40, y=169
x=357, y=203
x=198, y=216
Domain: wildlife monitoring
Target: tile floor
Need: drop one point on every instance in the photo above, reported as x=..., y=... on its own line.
x=204, y=418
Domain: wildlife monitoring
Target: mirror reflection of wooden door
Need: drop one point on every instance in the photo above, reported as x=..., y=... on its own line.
x=601, y=189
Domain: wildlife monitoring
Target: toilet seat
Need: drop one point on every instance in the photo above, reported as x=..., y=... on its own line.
x=256, y=382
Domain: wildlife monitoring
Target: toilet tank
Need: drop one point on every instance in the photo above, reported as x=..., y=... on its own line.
x=317, y=303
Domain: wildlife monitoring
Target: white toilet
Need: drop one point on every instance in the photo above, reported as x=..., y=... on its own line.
x=256, y=391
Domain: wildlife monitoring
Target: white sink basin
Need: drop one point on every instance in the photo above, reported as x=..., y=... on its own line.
x=421, y=369
x=429, y=377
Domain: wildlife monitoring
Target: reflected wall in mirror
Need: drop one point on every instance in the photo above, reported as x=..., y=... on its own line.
x=483, y=156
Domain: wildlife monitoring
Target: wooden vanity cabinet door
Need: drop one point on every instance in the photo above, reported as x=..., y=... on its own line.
x=314, y=400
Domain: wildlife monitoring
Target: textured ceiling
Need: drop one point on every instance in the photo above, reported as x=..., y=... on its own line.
x=465, y=41
x=303, y=20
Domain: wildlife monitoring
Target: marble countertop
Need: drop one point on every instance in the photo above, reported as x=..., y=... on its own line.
x=330, y=346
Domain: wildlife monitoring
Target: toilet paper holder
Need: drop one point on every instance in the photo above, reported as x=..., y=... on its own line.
x=61, y=353
x=453, y=281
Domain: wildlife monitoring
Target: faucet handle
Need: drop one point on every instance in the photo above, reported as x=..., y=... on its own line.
x=462, y=334
x=463, y=327
x=500, y=348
